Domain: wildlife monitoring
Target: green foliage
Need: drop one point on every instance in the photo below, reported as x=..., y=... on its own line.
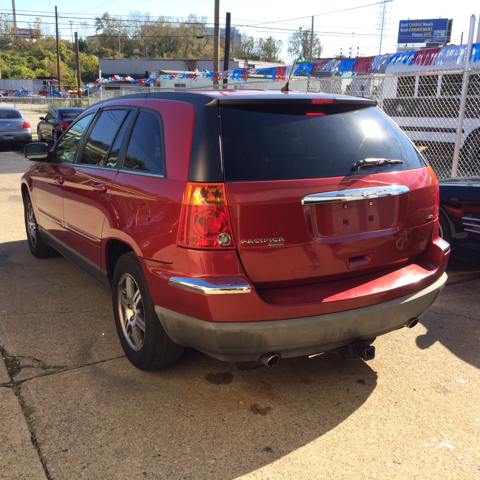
x=265, y=50
x=299, y=45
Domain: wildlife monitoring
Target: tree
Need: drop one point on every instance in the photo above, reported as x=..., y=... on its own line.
x=270, y=49
x=265, y=50
x=299, y=45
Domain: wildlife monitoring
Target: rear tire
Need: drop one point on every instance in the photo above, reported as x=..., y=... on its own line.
x=37, y=244
x=143, y=339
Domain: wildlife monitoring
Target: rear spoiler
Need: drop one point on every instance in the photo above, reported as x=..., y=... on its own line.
x=294, y=100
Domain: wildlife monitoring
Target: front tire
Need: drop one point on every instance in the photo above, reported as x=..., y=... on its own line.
x=37, y=244
x=143, y=339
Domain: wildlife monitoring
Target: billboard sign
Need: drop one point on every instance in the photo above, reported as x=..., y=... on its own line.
x=424, y=31
x=25, y=32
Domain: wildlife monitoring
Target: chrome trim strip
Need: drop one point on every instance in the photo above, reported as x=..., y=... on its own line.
x=145, y=174
x=355, y=194
x=472, y=231
x=466, y=224
x=444, y=245
x=220, y=287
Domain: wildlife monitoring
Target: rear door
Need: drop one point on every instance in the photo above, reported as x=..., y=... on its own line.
x=301, y=212
x=87, y=187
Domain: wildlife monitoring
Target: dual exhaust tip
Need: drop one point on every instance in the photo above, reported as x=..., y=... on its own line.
x=362, y=349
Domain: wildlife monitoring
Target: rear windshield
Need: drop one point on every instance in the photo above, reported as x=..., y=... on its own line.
x=292, y=142
x=69, y=114
x=6, y=114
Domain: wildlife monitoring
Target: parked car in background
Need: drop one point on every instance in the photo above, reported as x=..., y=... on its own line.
x=312, y=225
x=56, y=122
x=459, y=220
x=13, y=127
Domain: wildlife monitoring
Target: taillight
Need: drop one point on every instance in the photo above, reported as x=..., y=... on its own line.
x=437, y=193
x=63, y=124
x=24, y=125
x=205, y=221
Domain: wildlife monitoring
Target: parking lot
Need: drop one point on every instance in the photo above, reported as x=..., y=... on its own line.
x=72, y=406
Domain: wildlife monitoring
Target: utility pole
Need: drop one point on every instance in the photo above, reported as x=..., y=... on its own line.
x=226, y=57
x=77, y=63
x=14, y=12
x=311, y=42
x=59, y=77
x=216, y=40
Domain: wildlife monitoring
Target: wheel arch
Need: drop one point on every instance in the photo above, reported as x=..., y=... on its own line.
x=114, y=249
x=453, y=232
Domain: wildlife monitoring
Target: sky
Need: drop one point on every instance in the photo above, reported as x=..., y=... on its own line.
x=343, y=27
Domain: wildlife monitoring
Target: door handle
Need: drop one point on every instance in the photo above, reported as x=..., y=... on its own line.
x=99, y=187
x=59, y=180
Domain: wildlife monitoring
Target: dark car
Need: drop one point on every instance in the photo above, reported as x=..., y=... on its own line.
x=250, y=225
x=13, y=127
x=460, y=213
x=56, y=122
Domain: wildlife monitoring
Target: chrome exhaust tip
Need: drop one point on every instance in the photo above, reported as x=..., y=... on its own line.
x=269, y=359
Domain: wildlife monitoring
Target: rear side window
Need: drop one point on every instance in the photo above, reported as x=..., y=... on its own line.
x=101, y=136
x=145, y=151
x=117, y=144
x=281, y=143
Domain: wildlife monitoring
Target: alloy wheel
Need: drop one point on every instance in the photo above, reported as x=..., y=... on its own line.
x=131, y=312
x=32, y=225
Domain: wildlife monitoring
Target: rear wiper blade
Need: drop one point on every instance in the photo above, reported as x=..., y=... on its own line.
x=373, y=162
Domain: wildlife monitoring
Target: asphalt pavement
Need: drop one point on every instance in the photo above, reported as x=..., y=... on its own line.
x=73, y=407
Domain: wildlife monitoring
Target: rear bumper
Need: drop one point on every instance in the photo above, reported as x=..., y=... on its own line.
x=24, y=135
x=247, y=341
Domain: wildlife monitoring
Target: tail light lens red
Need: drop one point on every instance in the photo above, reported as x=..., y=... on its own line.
x=24, y=125
x=437, y=194
x=63, y=124
x=205, y=221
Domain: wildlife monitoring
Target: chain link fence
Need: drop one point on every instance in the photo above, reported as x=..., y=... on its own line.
x=37, y=103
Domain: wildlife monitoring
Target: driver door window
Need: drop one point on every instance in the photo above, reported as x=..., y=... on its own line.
x=69, y=143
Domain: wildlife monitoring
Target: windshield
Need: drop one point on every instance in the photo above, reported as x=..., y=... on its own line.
x=69, y=114
x=290, y=142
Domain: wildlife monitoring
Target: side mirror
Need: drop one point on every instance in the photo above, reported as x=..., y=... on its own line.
x=38, y=151
x=42, y=118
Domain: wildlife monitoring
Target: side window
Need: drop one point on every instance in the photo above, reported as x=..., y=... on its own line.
x=113, y=155
x=405, y=86
x=451, y=85
x=101, y=137
x=427, y=85
x=68, y=144
x=145, y=148
x=49, y=116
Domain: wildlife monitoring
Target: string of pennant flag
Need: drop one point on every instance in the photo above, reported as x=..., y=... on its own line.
x=339, y=67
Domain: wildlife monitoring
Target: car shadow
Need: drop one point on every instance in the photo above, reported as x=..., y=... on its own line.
x=233, y=422
x=454, y=319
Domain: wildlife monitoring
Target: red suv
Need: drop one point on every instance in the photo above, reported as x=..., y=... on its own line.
x=250, y=225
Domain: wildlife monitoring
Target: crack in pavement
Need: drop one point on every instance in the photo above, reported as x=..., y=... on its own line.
x=14, y=366
x=455, y=315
